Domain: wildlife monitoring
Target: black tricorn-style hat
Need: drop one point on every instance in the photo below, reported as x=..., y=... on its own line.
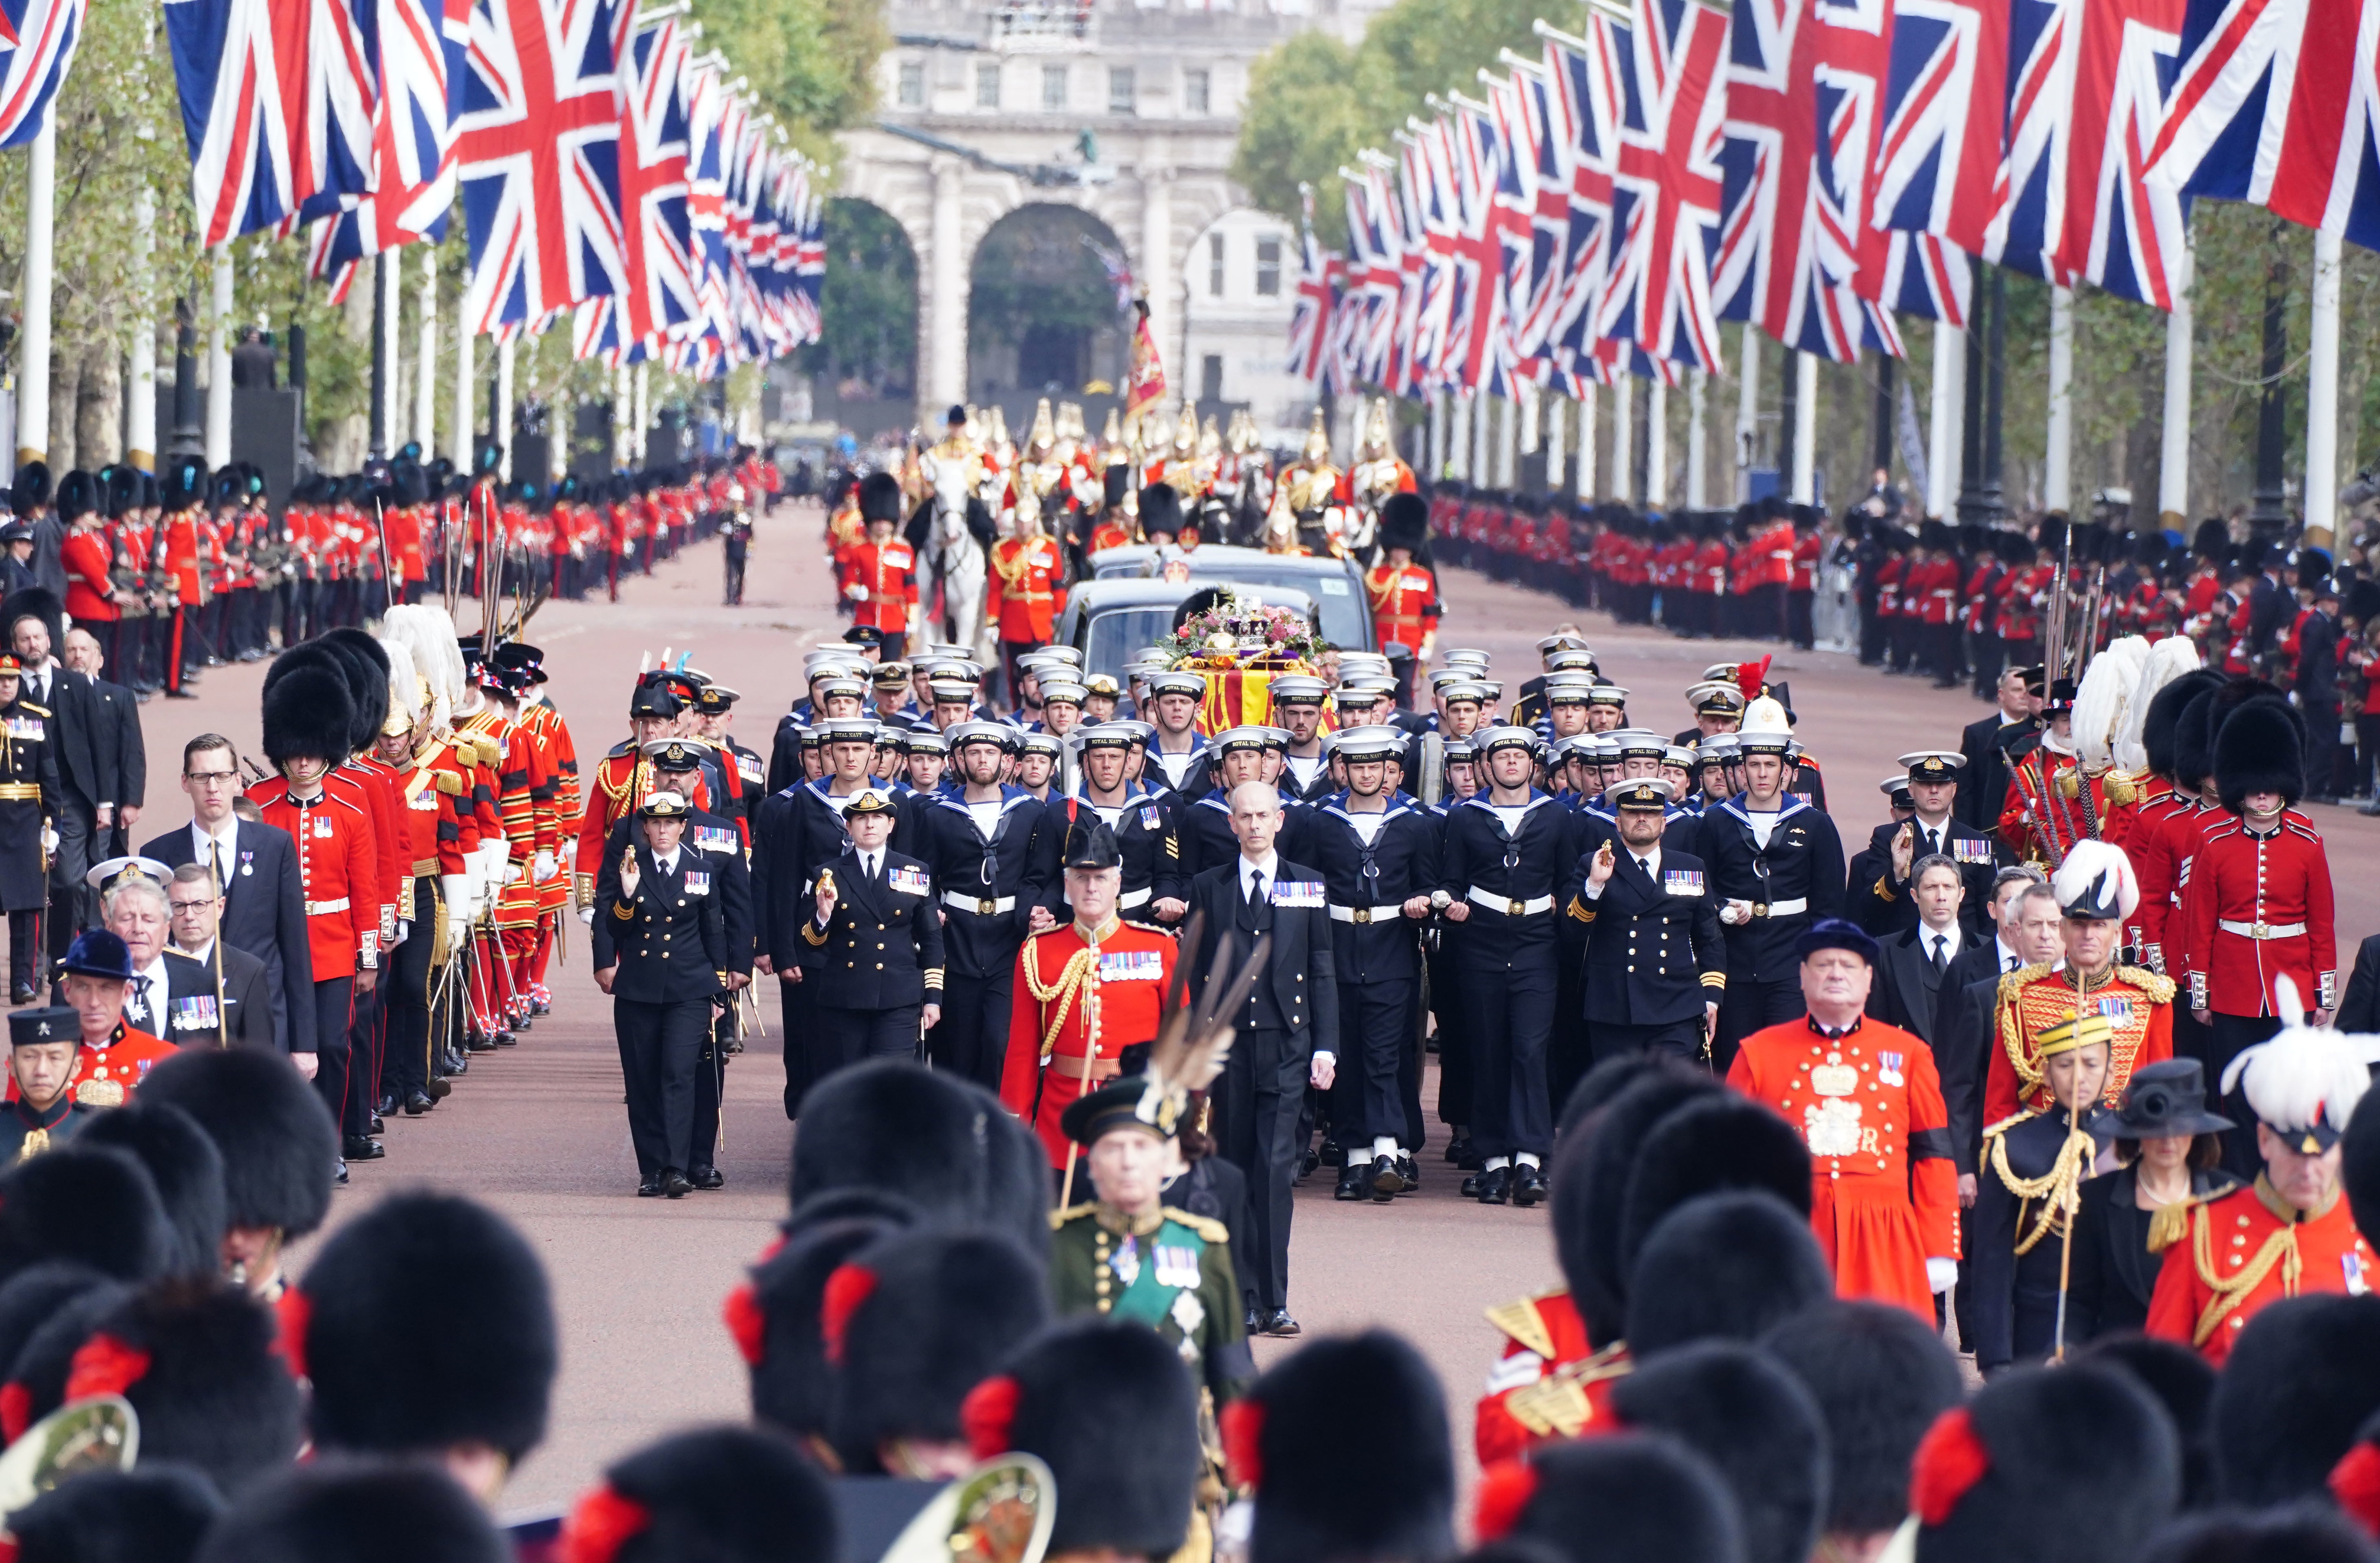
x=2260, y=748
x=156, y=1514
x=1113, y=1413
x=653, y=697
x=944, y=1144
x=1322, y=1494
x=186, y=1167
x=200, y=1362
x=354, y=1512
x=722, y=1494
x=384, y=1386
x=308, y=713
x=774, y=1317
x=280, y=1144
x=1722, y=1267
x=1591, y=1173
x=90, y=1205
x=1090, y=844
x=2070, y=1464
x=1880, y=1375
x=2302, y=1378
x=879, y=497
x=1758, y=1425
x=913, y=1323
x=1634, y=1497
x=1160, y=509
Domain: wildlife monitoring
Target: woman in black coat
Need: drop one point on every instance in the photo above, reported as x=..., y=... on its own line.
x=2170, y=1146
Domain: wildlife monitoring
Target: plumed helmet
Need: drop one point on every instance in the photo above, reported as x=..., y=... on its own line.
x=2096, y=880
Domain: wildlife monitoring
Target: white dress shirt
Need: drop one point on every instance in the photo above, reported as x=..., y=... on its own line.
x=1269, y=866
x=144, y=997
x=1650, y=862
x=223, y=851
x=1945, y=941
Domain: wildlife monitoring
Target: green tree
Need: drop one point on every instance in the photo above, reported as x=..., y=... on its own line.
x=868, y=307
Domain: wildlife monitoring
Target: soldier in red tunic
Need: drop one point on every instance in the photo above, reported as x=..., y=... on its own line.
x=1402, y=588
x=1885, y=1193
x=880, y=573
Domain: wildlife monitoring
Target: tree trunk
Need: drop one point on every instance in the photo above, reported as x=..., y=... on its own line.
x=99, y=412
x=65, y=382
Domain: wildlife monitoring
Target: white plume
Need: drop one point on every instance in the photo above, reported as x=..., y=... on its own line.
x=2169, y=659
x=2085, y=863
x=2100, y=700
x=2305, y=1076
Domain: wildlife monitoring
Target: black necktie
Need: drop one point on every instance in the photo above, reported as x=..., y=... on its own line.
x=1933, y=844
x=1256, y=887
x=1643, y=867
x=1941, y=953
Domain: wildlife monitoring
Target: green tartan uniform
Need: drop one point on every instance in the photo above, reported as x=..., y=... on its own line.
x=1170, y=1271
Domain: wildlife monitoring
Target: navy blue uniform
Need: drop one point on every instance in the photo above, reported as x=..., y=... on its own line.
x=668, y=943
x=984, y=886
x=1654, y=953
x=1794, y=878
x=875, y=964
x=1378, y=950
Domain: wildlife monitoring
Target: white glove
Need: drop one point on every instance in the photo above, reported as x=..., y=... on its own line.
x=545, y=864
x=1735, y=911
x=855, y=592
x=586, y=916
x=1940, y=1274
x=495, y=870
x=459, y=892
x=403, y=931
x=50, y=842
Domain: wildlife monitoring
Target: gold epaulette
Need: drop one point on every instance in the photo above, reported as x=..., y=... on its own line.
x=2168, y=1224
x=447, y=782
x=2159, y=988
x=1521, y=1321
x=1072, y=1212
x=490, y=751
x=37, y=711
x=1205, y=1227
x=1556, y=1406
x=2122, y=788
x=2010, y=1122
x=2013, y=982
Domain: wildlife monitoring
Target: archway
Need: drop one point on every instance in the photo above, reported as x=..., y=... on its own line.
x=1044, y=316
x=863, y=367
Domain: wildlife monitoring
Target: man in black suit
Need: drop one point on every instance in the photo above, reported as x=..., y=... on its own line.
x=2317, y=684
x=660, y=952
x=265, y=904
x=871, y=954
x=2359, y=1012
x=89, y=788
x=117, y=746
x=233, y=1013
x=2026, y=929
x=1914, y=967
x=1879, y=898
x=1983, y=745
x=1288, y=1030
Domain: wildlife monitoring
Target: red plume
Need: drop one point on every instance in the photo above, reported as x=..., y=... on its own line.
x=2354, y=1482
x=600, y=1526
x=293, y=1313
x=1950, y=1460
x=1242, y=1425
x=16, y=1410
x=988, y=1413
x=845, y=1289
x=748, y=1323
x=1752, y=678
x=1505, y=1489
x=105, y=1365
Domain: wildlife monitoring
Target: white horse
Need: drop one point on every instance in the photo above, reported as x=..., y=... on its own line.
x=955, y=556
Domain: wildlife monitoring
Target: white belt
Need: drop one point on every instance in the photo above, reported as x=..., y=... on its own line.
x=1376, y=914
x=2261, y=930
x=1137, y=898
x=1782, y=908
x=981, y=906
x=1507, y=905
x=314, y=908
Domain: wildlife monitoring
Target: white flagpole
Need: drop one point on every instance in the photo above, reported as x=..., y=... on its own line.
x=1437, y=435
x=504, y=429
x=1946, y=410
x=1556, y=453
x=1508, y=441
x=2322, y=392
x=1747, y=414
x=1623, y=439
x=219, y=363
x=1481, y=452
x=1697, y=442
x=1458, y=438
x=1657, y=445
x=1529, y=420
x=644, y=414
x=140, y=416
x=2058, y=482
x=2173, y=451
x=425, y=378
x=465, y=413
x=33, y=353
x=392, y=308
x=1805, y=427
x=1586, y=393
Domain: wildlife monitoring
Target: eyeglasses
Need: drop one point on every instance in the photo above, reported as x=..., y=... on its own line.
x=209, y=777
x=182, y=906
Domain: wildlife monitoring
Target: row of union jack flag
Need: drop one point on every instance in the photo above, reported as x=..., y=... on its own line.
x=608, y=176
x=1820, y=169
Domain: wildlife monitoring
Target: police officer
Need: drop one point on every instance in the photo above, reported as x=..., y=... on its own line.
x=660, y=952
x=979, y=838
x=1656, y=964
x=1378, y=851
x=872, y=950
x=1882, y=901
x=29, y=801
x=1140, y=818
x=1507, y=849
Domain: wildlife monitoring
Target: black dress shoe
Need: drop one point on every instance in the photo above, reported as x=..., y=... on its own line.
x=1254, y=1322
x=1386, y=1180
x=520, y=1023
x=506, y=1039
x=418, y=1102
x=1457, y=1148
x=382, y=1108
x=479, y=1042
x=439, y=1088
x=362, y=1148
x=379, y=1125
x=1279, y=1323
x=1470, y=1185
x=649, y=1188
x=1306, y=1163
x=1410, y=1170
x=1495, y=1185
x=21, y=995
x=1333, y=1154
x=1528, y=1185
x=705, y=1177
x=340, y=1177
x=673, y=1183
x=1354, y=1182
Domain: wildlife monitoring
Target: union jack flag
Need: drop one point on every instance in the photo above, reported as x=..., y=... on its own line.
x=40, y=37
x=656, y=237
x=2272, y=106
x=1429, y=178
x=1320, y=275
x=419, y=50
x=1535, y=255
x=1939, y=155
x=1477, y=348
x=1375, y=273
x=1404, y=375
x=1667, y=186
x=277, y=104
x=539, y=141
x=1583, y=75
x=1924, y=274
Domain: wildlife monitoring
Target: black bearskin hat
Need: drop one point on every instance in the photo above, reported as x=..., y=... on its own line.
x=2210, y=539
x=774, y=1317
x=352, y=1512
x=30, y=488
x=2259, y=749
x=2193, y=740
x=1590, y=1189
x=368, y=659
x=880, y=498
x=1160, y=511
x=308, y=713
x=34, y=603
x=77, y=495
x=186, y=1167
x=915, y=1321
x=31, y=1299
x=91, y=1205
x=1880, y=1375
x=280, y=1145
x=1636, y=1497
x=1321, y=1492
x=1719, y=1142
x=157, y=1514
x=2052, y=531
x=1112, y=1411
x=1600, y=1084
x=2183, y=1383
x=1404, y=523
x=2074, y=1464
x=946, y=1146
x=366, y=687
x=1756, y=1424
x=2359, y=1166
x=384, y=1386
x=1723, y=1267
x=37, y=1379
x=2301, y=1379
x=2160, y=727
x=2300, y=1533
x=200, y=1361
x=723, y=1494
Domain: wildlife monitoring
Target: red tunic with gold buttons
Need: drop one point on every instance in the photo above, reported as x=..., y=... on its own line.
x=1404, y=603
x=103, y=1077
x=338, y=873
x=1550, y=1383
x=1023, y=595
x=2245, y=1250
x=2137, y=1002
x=1076, y=1010
x=1885, y=1196
x=2256, y=908
x=882, y=583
